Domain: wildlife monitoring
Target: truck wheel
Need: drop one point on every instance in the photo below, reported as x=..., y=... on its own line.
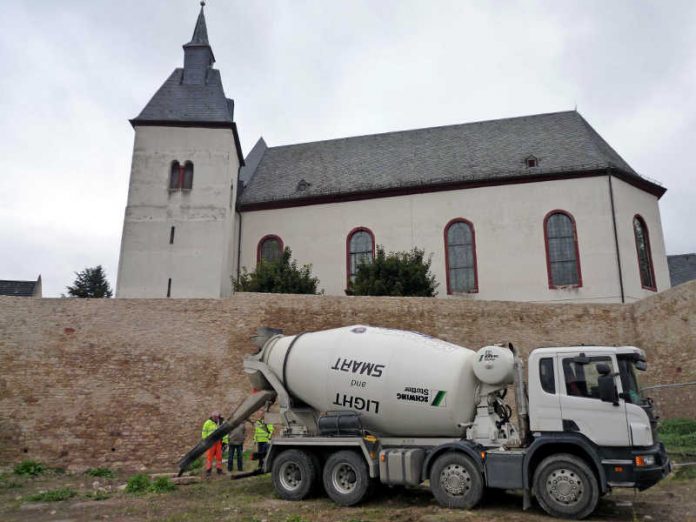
x=565, y=487
x=346, y=478
x=456, y=481
x=294, y=474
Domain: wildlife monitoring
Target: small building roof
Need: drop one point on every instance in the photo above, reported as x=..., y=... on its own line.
x=446, y=157
x=682, y=268
x=21, y=288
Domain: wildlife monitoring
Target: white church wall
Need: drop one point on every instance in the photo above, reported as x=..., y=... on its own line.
x=629, y=201
x=199, y=260
x=508, y=222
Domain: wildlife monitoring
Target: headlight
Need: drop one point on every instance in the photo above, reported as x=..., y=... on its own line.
x=645, y=460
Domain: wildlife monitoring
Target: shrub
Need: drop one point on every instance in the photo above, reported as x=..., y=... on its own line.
x=162, y=485
x=139, y=483
x=100, y=472
x=30, y=468
x=395, y=274
x=278, y=277
x=55, y=495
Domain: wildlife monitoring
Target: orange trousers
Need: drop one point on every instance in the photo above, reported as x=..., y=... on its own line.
x=214, y=453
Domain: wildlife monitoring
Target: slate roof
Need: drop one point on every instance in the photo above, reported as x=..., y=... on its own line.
x=468, y=153
x=682, y=268
x=177, y=102
x=17, y=288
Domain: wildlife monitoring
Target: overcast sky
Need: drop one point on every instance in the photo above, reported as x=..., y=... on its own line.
x=73, y=72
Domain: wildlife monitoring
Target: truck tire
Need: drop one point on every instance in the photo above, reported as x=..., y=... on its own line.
x=346, y=478
x=456, y=481
x=566, y=487
x=294, y=474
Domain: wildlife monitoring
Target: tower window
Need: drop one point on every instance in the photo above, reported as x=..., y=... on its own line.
x=270, y=249
x=531, y=162
x=645, y=264
x=169, y=287
x=360, y=248
x=171, y=235
x=181, y=176
x=460, y=257
x=562, y=254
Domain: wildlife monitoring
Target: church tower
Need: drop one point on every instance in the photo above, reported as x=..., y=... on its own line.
x=179, y=226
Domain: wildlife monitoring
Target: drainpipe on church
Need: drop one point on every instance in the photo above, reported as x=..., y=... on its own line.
x=616, y=236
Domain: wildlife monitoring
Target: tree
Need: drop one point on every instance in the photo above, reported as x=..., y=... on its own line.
x=278, y=277
x=395, y=274
x=91, y=282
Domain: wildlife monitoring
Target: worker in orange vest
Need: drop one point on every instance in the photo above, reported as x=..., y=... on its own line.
x=215, y=451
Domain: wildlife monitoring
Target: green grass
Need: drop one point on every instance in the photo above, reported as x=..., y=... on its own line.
x=139, y=483
x=295, y=518
x=55, y=495
x=685, y=473
x=162, y=485
x=678, y=436
x=100, y=472
x=30, y=468
x=97, y=495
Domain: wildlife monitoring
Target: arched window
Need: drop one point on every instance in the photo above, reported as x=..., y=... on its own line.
x=460, y=257
x=360, y=248
x=270, y=248
x=188, y=176
x=174, y=175
x=181, y=176
x=645, y=264
x=562, y=255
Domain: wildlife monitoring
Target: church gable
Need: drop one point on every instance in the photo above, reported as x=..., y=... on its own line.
x=482, y=152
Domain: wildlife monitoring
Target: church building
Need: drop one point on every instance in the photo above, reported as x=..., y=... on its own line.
x=533, y=208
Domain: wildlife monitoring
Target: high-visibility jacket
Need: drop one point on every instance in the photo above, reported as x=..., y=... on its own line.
x=209, y=427
x=262, y=431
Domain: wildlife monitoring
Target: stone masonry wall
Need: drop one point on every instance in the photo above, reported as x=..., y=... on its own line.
x=128, y=383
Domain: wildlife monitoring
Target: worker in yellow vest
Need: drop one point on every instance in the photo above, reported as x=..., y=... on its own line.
x=262, y=434
x=214, y=453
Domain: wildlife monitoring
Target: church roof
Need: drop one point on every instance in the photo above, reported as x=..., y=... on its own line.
x=682, y=268
x=438, y=158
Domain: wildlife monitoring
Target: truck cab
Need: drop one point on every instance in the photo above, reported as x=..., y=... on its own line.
x=591, y=394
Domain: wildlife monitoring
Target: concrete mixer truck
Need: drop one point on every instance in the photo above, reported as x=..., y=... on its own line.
x=361, y=405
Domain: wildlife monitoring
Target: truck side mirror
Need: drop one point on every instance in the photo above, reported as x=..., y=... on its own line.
x=607, y=388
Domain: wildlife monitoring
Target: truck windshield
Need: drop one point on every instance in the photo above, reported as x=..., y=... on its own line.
x=629, y=380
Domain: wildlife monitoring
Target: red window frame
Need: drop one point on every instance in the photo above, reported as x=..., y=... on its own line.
x=552, y=286
x=265, y=238
x=648, y=249
x=348, y=238
x=473, y=247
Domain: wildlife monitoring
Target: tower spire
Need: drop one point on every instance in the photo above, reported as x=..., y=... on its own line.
x=200, y=32
x=198, y=55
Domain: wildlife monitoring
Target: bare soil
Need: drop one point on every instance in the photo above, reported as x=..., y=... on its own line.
x=253, y=499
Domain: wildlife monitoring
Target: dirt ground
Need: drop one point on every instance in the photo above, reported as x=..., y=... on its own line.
x=253, y=499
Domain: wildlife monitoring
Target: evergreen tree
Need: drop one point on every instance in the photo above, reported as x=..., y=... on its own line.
x=395, y=274
x=278, y=277
x=91, y=282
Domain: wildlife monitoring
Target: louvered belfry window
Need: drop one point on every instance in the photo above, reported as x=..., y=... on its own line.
x=460, y=249
x=181, y=176
x=562, y=250
x=645, y=264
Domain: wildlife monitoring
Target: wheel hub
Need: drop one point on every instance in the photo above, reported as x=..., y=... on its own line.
x=344, y=478
x=455, y=480
x=290, y=476
x=564, y=486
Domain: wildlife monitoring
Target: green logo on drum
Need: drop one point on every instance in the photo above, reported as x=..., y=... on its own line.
x=439, y=399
